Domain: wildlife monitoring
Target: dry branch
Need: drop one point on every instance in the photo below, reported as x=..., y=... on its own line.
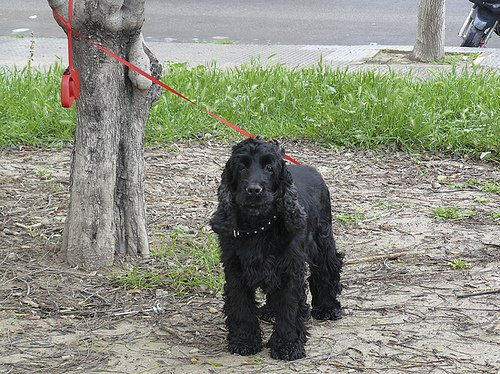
x=388, y=256
x=484, y=291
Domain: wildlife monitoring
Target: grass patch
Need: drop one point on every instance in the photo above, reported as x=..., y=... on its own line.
x=225, y=41
x=386, y=205
x=390, y=56
x=458, y=264
x=31, y=108
x=453, y=213
x=482, y=185
x=185, y=263
x=43, y=173
x=452, y=112
x=485, y=186
x=481, y=200
x=350, y=217
x=494, y=215
x=137, y=277
x=457, y=58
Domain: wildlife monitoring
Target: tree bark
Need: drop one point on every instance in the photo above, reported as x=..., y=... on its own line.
x=106, y=216
x=429, y=44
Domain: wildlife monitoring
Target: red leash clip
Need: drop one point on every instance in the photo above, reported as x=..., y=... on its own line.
x=70, y=87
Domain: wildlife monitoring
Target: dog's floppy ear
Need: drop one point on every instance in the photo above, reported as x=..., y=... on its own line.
x=288, y=204
x=223, y=219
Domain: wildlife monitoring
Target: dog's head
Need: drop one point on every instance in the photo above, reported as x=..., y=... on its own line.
x=253, y=173
x=255, y=181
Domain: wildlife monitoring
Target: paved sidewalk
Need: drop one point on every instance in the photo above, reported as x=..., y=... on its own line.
x=16, y=52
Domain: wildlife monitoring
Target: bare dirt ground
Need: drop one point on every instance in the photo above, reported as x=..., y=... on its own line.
x=401, y=315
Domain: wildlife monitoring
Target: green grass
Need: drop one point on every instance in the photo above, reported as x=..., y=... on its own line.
x=455, y=58
x=388, y=56
x=481, y=200
x=482, y=185
x=350, y=217
x=452, y=112
x=386, y=205
x=494, y=215
x=185, y=263
x=43, y=173
x=458, y=264
x=225, y=41
x=31, y=110
x=453, y=213
x=137, y=277
x=485, y=186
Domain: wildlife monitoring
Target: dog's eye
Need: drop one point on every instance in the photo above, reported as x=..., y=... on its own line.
x=269, y=168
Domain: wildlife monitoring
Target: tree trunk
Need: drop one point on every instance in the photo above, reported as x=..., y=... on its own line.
x=106, y=216
x=429, y=45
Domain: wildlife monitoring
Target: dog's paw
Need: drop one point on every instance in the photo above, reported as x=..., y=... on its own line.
x=266, y=313
x=288, y=351
x=324, y=313
x=245, y=347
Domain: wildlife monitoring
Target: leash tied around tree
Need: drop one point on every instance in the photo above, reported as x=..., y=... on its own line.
x=70, y=86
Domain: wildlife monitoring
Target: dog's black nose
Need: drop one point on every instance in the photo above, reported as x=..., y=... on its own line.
x=254, y=189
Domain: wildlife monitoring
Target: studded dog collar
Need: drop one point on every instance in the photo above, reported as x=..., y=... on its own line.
x=238, y=233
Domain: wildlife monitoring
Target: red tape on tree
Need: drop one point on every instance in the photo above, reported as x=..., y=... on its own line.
x=70, y=87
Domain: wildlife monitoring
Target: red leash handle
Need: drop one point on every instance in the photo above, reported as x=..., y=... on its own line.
x=73, y=90
x=70, y=84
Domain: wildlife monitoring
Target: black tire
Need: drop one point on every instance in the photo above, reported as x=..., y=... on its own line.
x=473, y=38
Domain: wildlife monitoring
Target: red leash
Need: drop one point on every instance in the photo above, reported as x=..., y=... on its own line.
x=70, y=87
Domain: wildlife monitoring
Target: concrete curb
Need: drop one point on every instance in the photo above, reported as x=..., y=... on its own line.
x=46, y=51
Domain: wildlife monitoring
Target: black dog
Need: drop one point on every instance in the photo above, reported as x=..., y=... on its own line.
x=271, y=220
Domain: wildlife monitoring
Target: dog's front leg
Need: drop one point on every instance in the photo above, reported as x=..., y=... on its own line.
x=290, y=334
x=244, y=334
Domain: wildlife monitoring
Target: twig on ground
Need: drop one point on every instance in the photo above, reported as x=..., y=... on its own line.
x=391, y=213
x=95, y=294
x=157, y=155
x=491, y=244
x=485, y=291
x=456, y=190
x=24, y=275
x=385, y=368
x=388, y=256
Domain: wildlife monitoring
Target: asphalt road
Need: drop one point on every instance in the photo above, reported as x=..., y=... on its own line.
x=326, y=22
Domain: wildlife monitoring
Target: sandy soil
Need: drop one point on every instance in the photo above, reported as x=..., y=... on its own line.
x=411, y=314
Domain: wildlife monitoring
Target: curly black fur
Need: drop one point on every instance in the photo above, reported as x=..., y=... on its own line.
x=271, y=220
